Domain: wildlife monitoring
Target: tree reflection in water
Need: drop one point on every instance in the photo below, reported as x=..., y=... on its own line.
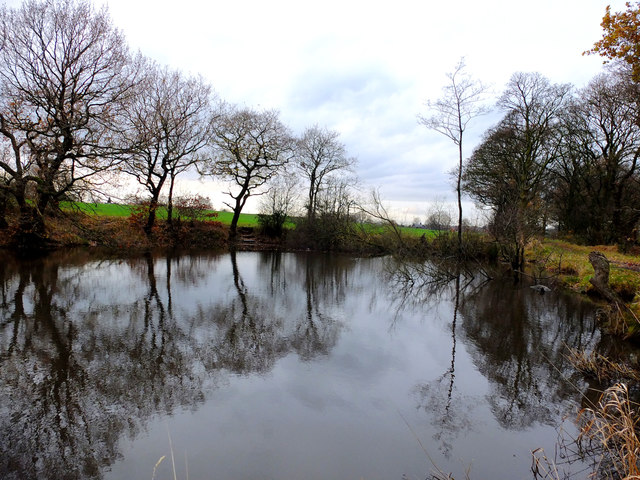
x=450, y=411
x=516, y=340
x=88, y=354
x=92, y=349
x=520, y=347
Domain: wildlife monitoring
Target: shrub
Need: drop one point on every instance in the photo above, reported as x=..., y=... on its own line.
x=139, y=211
x=326, y=232
x=272, y=224
x=193, y=208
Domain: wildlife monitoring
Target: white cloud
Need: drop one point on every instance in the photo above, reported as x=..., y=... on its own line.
x=366, y=68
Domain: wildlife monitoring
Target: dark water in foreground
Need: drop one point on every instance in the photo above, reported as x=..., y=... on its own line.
x=269, y=366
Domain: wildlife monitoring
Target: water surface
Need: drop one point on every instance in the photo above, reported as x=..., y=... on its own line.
x=277, y=366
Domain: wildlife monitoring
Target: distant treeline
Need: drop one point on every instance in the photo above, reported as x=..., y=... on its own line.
x=563, y=158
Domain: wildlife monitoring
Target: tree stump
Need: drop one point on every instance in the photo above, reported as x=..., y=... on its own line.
x=600, y=279
x=601, y=268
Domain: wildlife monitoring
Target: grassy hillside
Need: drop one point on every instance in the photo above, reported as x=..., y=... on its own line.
x=103, y=209
x=246, y=219
x=118, y=210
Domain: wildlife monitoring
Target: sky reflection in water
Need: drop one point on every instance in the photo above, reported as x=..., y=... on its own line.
x=263, y=365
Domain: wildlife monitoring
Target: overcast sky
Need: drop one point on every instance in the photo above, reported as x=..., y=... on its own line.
x=366, y=68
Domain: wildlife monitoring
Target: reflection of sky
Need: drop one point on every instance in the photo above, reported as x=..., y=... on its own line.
x=332, y=405
x=339, y=415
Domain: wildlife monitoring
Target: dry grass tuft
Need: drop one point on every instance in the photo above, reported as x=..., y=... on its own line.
x=610, y=431
x=601, y=367
x=155, y=468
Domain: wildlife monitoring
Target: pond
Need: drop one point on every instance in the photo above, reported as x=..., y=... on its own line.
x=278, y=366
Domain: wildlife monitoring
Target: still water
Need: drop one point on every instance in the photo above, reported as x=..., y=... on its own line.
x=278, y=366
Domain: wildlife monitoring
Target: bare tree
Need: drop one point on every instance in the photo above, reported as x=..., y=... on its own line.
x=376, y=211
x=438, y=216
x=460, y=103
x=64, y=72
x=320, y=154
x=595, y=187
x=170, y=123
x=278, y=203
x=510, y=168
x=336, y=214
x=250, y=148
x=282, y=195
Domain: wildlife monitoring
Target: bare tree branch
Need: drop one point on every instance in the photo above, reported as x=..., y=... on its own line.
x=250, y=148
x=462, y=100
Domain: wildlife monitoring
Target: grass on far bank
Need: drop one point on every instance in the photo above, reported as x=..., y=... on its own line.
x=566, y=262
x=246, y=219
x=418, y=232
x=98, y=209
x=120, y=210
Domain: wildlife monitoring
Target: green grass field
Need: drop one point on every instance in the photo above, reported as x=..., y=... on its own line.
x=117, y=210
x=103, y=209
x=418, y=232
x=246, y=219
x=411, y=231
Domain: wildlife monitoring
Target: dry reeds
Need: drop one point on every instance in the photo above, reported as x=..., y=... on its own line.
x=608, y=442
x=542, y=467
x=609, y=430
x=601, y=367
x=619, y=319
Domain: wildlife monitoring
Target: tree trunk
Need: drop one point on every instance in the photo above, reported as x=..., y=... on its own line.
x=600, y=281
x=31, y=233
x=311, y=208
x=459, y=191
x=151, y=219
x=241, y=199
x=233, y=229
x=153, y=204
x=3, y=210
x=170, y=201
x=517, y=262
